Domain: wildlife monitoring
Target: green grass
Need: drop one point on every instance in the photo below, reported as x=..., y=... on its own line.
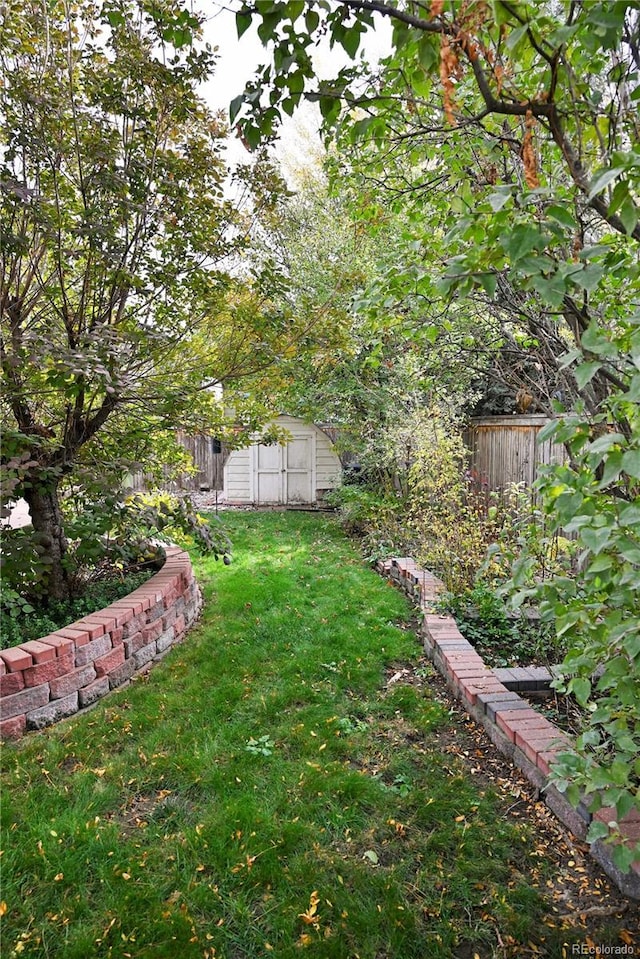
x=261, y=792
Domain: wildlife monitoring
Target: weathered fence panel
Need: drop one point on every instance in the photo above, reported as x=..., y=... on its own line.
x=209, y=457
x=504, y=449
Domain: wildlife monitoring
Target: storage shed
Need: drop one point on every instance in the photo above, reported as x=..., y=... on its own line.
x=300, y=472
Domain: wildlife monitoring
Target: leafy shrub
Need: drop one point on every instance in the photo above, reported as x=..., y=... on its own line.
x=20, y=621
x=503, y=639
x=377, y=519
x=449, y=509
x=109, y=539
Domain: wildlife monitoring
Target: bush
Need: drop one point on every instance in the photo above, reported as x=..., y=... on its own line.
x=377, y=519
x=502, y=638
x=449, y=510
x=109, y=539
x=20, y=621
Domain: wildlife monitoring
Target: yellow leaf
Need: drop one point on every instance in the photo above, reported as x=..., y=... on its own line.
x=126, y=875
x=3, y=908
x=59, y=876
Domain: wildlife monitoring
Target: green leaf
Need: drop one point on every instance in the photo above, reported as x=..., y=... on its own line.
x=521, y=240
x=631, y=463
x=489, y=283
x=561, y=215
x=602, y=180
x=235, y=106
x=604, y=443
x=595, y=539
x=628, y=213
x=585, y=373
x=601, y=564
x=350, y=40
x=597, y=830
x=581, y=689
x=623, y=857
x=243, y=22
x=612, y=469
x=515, y=36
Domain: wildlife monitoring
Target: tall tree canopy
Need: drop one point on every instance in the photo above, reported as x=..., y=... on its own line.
x=508, y=132
x=122, y=296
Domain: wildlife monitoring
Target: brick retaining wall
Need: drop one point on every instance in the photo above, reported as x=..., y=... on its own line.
x=44, y=680
x=523, y=735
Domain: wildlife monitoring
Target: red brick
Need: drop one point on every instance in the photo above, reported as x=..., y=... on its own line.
x=133, y=643
x=169, y=618
x=95, y=628
x=23, y=702
x=546, y=758
x=179, y=626
x=170, y=598
x=511, y=719
x=155, y=612
x=3, y=668
x=462, y=656
x=140, y=598
x=93, y=650
x=105, y=664
x=89, y=694
x=469, y=672
x=126, y=606
x=40, y=652
x=121, y=612
x=472, y=688
x=151, y=633
x=79, y=636
x=16, y=659
x=11, y=683
x=107, y=619
x=533, y=741
x=13, y=728
x=117, y=636
x=61, y=644
x=72, y=682
x=608, y=814
x=630, y=831
x=45, y=672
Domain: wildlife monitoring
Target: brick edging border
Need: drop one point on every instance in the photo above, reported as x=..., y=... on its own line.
x=45, y=680
x=521, y=734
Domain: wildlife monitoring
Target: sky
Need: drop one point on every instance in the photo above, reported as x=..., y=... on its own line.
x=300, y=143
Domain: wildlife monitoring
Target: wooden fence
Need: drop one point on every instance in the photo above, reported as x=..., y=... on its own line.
x=209, y=457
x=505, y=450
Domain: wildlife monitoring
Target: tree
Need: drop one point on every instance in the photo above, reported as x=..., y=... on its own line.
x=528, y=112
x=121, y=298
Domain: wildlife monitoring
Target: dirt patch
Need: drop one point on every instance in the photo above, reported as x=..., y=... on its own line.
x=162, y=806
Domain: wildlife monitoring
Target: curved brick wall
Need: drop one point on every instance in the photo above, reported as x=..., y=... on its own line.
x=526, y=737
x=47, y=679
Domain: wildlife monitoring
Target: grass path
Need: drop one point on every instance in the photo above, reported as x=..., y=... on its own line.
x=267, y=790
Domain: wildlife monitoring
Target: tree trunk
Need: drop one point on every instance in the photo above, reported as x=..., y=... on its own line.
x=48, y=526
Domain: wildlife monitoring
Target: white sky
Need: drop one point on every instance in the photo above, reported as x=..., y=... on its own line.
x=299, y=143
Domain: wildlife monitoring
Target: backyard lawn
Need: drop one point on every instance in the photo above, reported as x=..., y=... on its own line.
x=291, y=781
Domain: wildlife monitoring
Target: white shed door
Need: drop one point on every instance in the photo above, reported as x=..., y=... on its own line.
x=267, y=473
x=299, y=456
x=285, y=474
